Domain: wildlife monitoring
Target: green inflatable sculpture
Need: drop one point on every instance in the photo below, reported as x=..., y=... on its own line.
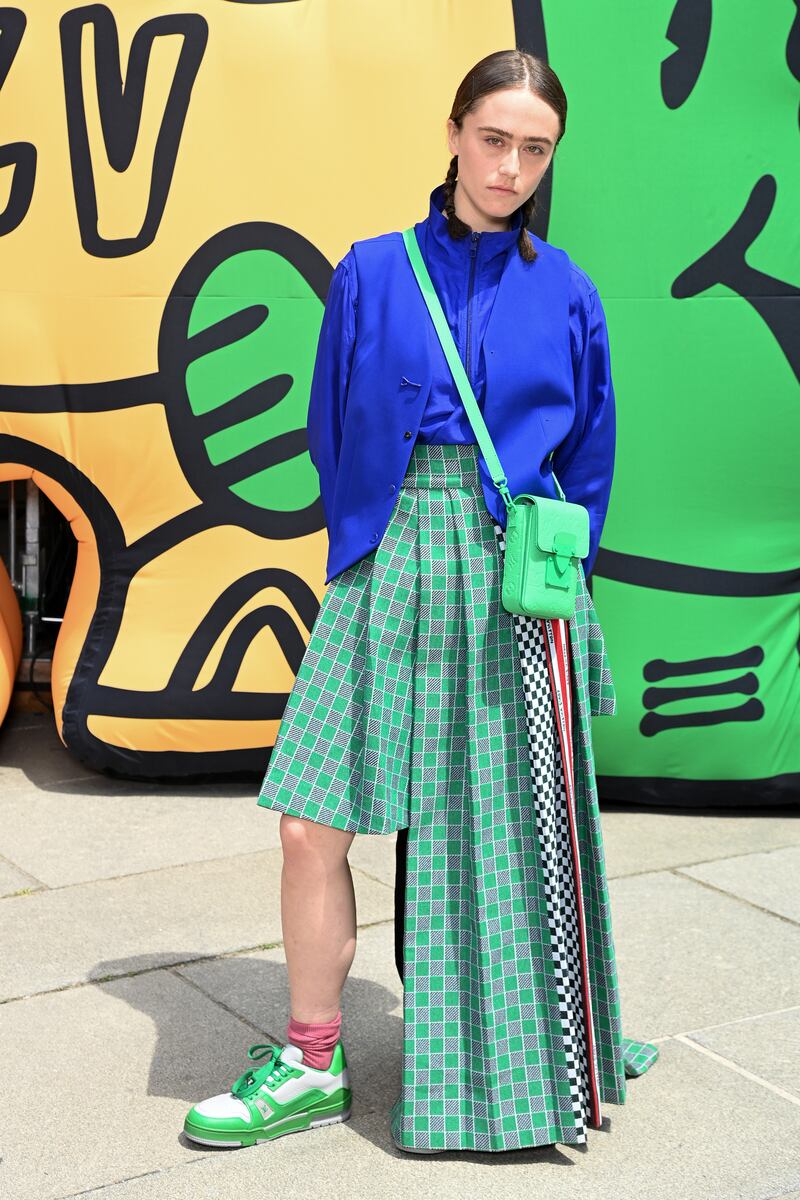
x=682, y=204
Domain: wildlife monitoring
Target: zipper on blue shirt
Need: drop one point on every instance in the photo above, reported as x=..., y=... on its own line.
x=473, y=252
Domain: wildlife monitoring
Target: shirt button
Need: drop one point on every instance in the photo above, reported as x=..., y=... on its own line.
x=391, y=488
x=407, y=434
x=373, y=537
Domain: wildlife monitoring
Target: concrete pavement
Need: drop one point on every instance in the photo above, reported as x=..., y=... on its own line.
x=141, y=954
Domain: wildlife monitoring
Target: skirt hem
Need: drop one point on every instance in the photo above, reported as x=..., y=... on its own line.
x=334, y=821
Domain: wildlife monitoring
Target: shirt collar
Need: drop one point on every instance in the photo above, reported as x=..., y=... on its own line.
x=457, y=249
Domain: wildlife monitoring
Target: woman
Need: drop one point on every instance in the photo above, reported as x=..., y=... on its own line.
x=421, y=705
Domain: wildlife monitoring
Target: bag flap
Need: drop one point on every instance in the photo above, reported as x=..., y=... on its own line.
x=555, y=517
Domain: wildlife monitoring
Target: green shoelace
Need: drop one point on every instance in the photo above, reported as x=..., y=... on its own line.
x=251, y=1080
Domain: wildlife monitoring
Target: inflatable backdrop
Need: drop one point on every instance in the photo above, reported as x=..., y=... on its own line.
x=179, y=181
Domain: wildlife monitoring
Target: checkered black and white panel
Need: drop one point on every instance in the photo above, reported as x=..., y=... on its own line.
x=552, y=821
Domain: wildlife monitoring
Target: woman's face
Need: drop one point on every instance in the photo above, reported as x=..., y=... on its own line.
x=507, y=141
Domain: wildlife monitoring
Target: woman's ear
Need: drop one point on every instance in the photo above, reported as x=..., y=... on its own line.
x=452, y=136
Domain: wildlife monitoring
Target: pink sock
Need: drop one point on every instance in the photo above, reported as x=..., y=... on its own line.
x=317, y=1040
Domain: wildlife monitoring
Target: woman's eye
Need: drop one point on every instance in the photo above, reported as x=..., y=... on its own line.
x=538, y=149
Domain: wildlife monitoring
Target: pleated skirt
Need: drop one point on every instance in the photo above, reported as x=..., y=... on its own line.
x=412, y=709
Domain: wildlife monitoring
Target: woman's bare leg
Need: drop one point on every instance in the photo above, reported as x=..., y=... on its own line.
x=318, y=914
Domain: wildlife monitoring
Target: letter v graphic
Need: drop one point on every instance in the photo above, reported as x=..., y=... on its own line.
x=120, y=111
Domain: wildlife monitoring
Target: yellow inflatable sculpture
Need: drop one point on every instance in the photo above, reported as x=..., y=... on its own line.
x=172, y=223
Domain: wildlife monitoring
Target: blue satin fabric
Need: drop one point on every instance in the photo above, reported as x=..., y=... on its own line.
x=466, y=273
x=450, y=264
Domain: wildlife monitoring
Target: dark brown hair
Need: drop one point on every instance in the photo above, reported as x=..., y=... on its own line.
x=503, y=69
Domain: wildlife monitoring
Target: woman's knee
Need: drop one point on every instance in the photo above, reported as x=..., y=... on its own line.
x=313, y=844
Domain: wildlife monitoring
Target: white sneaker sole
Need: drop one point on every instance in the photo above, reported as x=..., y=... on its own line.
x=343, y=1116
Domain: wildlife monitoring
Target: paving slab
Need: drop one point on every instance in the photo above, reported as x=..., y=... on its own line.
x=690, y=956
x=96, y=1079
x=115, y=927
x=33, y=756
x=640, y=838
x=12, y=880
x=768, y=880
x=114, y=828
x=690, y=1127
x=767, y=1045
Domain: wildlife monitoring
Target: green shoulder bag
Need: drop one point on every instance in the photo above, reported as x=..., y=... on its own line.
x=544, y=538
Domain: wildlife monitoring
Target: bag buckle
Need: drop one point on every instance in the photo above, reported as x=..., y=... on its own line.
x=560, y=559
x=505, y=493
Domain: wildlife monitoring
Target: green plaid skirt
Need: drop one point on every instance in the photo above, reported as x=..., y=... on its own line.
x=421, y=704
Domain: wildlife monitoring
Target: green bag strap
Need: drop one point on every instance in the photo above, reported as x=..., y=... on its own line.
x=457, y=367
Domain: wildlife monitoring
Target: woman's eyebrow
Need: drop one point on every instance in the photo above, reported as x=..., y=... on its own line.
x=505, y=133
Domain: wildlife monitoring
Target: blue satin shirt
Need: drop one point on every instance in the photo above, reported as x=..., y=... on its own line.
x=466, y=274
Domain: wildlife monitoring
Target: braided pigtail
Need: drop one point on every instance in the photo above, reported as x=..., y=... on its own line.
x=455, y=226
x=524, y=241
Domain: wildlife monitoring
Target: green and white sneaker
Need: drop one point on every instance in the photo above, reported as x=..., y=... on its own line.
x=282, y=1096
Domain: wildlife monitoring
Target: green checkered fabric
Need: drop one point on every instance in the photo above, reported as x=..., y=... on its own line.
x=638, y=1056
x=409, y=711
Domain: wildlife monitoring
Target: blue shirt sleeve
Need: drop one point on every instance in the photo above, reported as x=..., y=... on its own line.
x=330, y=379
x=584, y=462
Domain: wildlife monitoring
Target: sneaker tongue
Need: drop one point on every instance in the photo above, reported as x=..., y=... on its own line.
x=291, y=1053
